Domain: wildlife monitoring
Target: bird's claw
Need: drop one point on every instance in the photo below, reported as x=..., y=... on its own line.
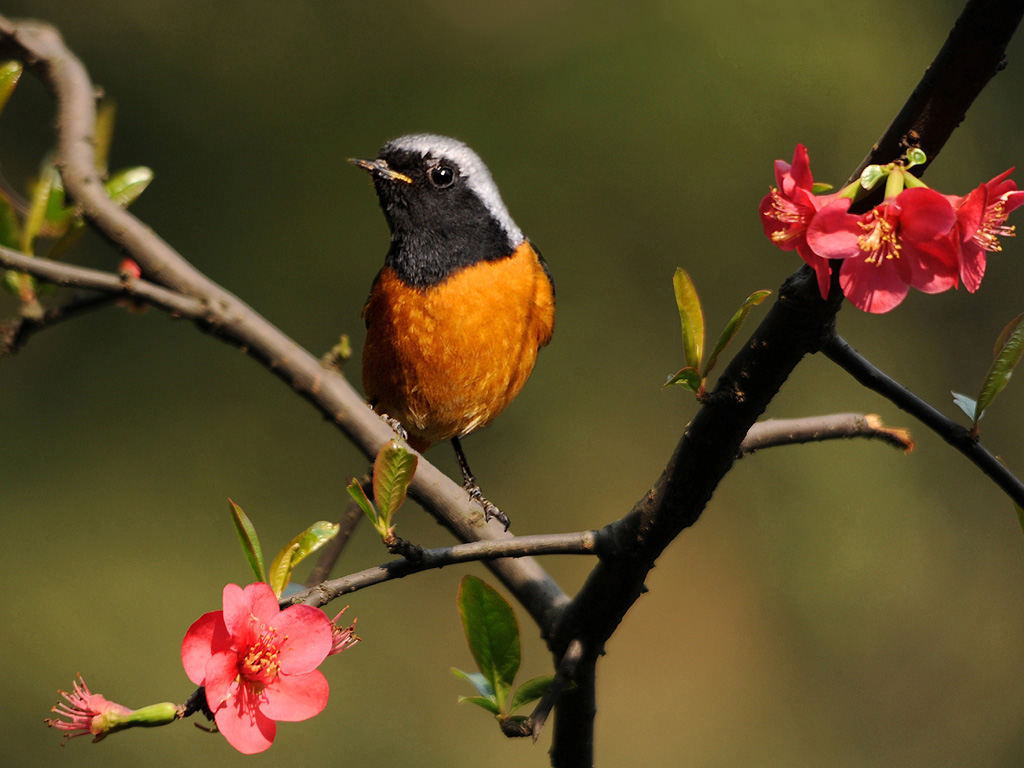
x=490, y=510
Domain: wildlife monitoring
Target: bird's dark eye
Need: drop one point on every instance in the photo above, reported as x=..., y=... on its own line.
x=441, y=176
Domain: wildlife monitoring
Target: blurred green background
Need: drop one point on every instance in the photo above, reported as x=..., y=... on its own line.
x=838, y=605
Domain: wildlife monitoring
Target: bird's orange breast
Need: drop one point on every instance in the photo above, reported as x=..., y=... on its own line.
x=447, y=359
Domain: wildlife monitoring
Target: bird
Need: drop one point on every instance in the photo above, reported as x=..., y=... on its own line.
x=464, y=302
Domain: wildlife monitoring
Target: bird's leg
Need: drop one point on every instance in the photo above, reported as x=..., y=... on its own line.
x=469, y=483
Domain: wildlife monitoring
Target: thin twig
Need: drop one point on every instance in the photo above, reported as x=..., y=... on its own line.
x=814, y=429
x=581, y=543
x=846, y=357
x=15, y=333
x=565, y=672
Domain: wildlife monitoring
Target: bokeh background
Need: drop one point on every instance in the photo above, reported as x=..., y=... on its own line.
x=839, y=604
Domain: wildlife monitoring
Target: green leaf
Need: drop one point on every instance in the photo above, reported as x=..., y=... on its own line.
x=249, y=540
x=819, y=186
x=691, y=317
x=871, y=175
x=491, y=705
x=529, y=691
x=10, y=72
x=296, y=550
x=393, y=470
x=68, y=240
x=1008, y=353
x=966, y=404
x=10, y=228
x=733, y=327
x=37, y=209
x=355, y=490
x=687, y=377
x=477, y=680
x=124, y=187
x=492, y=634
x=103, y=133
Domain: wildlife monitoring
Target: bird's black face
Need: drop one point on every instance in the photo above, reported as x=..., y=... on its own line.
x=439, y=223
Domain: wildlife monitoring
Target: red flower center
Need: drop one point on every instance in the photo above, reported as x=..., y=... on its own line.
x=880, y=241
x=992, y=227
x=261, y=665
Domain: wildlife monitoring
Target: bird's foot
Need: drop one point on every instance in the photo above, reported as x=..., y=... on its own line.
x=490, y=510
x=395, y=424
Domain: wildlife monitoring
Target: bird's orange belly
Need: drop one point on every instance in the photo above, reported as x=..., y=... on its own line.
x=447, y=359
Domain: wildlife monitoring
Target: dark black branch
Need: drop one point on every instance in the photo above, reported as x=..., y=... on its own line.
x=958, y=436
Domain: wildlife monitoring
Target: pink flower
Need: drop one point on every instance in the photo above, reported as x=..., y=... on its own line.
x=791, y=205
x=900, y=243
x=258, y=664
x=980, y=221
x=86, y=713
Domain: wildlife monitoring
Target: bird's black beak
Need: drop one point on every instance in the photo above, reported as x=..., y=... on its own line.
x=381, y=168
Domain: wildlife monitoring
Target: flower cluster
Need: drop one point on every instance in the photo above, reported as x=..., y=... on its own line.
x=916, y=237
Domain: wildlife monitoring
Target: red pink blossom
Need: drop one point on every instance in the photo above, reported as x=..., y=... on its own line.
x=916, y=238
x=258, y=664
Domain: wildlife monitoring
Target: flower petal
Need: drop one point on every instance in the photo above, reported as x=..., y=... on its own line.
x=308, y=638
x=196, y=647
x=242, y=606
x=835, y=234
x=870, y=287
x=924, y=214
x=221, y=676
x=295, y=697
x=246, y=728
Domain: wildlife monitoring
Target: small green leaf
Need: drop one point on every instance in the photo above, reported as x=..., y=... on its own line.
x=12, y=282
x=280, y=571
x=491, y=705
x=966, y=404
x=529, y=691
x=871, y=175
x=1004, y=335
x=687, y=377
x=296, y=550
x=10, y=72
x=1008, y=353
x=10, y=229
x=819, y=186
x=477, y=680
x=355, y=490
x=37, y=209
x=915, y=156
x=691, y=317
x=124, y=187
x=393, y=470
x=68, y=240
x=249, y=540
x=733, y=327
x=492, y=634
x=103, y=133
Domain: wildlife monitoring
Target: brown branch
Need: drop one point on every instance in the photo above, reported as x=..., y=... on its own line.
x=43, y=51
x=815, y=429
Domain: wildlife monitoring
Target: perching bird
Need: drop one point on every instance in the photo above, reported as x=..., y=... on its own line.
x=462, y=305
